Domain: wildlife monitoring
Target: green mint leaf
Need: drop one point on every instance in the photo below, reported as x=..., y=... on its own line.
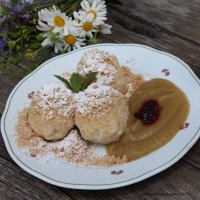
x=64, y=81
x=88, y=79
x=76, y=82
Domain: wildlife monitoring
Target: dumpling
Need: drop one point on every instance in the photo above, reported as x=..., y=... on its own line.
x=107, y=66
x=52, y=111
x=101, y=114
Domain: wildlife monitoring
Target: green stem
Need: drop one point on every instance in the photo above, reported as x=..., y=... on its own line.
x=23, y=35
x=41, y=49
x=73, y=7
x=51, y=4
x=95, y=35
x=67, y=5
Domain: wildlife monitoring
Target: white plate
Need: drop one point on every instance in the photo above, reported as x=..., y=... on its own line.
x=145, y=60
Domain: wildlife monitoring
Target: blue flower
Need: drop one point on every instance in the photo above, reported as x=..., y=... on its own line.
x=5, y=31
x=25, y=18
x=17, y=9
x=3, y=41
x=2, y=19
x=7, y=53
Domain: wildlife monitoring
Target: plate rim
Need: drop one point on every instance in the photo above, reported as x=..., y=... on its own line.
x=95, y=186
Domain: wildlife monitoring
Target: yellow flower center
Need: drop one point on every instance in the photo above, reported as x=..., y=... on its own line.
x=87, y=26
x=59, y=21
x=93, y=12
x=70, y=39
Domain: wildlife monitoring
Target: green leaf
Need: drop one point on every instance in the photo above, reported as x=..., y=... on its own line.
x=88, y=79
x=64, y=81
x=5, y=11
x=76, y=82
x=4, y=35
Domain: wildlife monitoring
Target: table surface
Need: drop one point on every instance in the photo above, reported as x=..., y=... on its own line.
x=172, y=26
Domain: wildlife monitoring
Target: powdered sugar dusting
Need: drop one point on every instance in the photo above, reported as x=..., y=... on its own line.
x=54, y=100
x=134, y=81
x=97, y=61
x=66, y=75
x=72, y=148
x=96, y=100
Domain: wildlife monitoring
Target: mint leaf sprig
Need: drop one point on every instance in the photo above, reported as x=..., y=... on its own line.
x=75, y=84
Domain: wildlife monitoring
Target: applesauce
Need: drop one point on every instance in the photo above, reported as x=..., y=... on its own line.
x=158, y=109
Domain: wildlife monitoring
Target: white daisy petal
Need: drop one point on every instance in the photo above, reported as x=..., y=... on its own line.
x=53, y=39
x=90, y=35
x=93, y=5
x=56, y=19
x=82, y=34
x=46, y=42
x=87, y=4
x=43, y=27
x=76, y=16
x=97, y=8
x=83, y=5
x=105, y=28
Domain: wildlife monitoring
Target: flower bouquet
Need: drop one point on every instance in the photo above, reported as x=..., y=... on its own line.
x=29, y=29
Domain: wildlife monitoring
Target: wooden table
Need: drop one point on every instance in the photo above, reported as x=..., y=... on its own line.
x=168, y=25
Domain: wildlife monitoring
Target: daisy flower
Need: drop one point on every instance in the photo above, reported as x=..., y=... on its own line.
x=72, y=42
x=97, y=8
x=54, y=18
x=87, y=26
x=53, y=39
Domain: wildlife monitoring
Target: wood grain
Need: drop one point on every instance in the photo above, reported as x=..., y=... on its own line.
x=193, y=156
x=172, y=26
x=17, y=184
x=6, y=86
x=179, y=17
x=186, y=51
x=166, y=185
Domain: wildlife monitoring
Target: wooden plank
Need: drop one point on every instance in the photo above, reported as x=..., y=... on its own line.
x=165, y=43
x=180, y=17
x=3, y=151
x=143, y=22
x=6, y=86
x=160, y=40
x=192, y=156
x=179, y=182
x=17, y=184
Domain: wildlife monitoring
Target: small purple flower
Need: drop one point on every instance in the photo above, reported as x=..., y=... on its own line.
x=7, y=53
x=186, y=125
x=33, y=155
x=17, y=9
x=5, y=31
x=30, y=95
x=166, y=72
x=3, y=41
x=117, y=172
x=25, y=18
x=2, y=19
